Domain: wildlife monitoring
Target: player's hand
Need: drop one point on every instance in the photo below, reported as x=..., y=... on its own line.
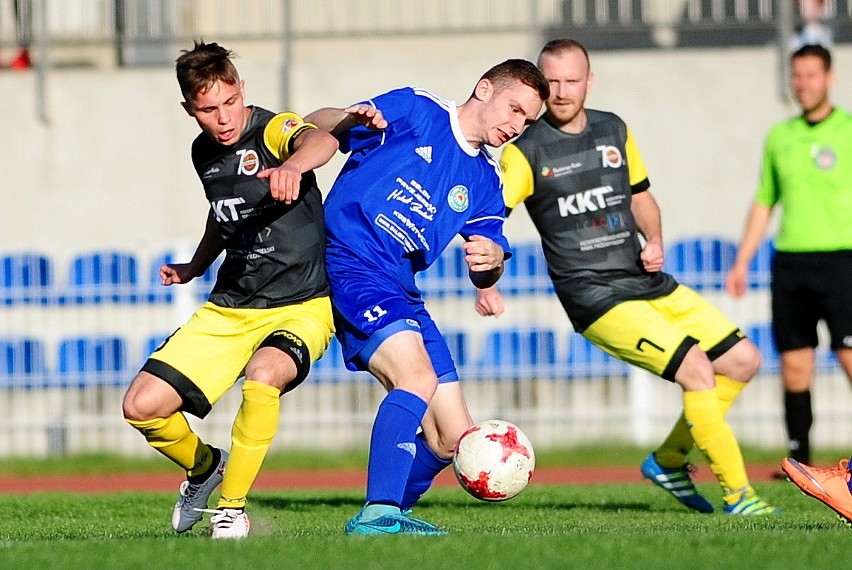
x=489, y=302
x=482, y=254
x=652, y=257
x=175, y=274
x=366, y=116
x=735, y=282
x=284, y=182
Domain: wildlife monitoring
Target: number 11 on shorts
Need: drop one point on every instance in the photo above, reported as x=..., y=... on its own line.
x=374, y=314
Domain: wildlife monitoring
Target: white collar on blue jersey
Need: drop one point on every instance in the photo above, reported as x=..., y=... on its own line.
x=453, y=111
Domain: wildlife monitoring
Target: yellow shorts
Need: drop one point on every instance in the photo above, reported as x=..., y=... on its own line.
x=656, y=334
x=206, y=356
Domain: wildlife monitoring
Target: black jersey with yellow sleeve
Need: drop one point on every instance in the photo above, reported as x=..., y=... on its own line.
x=274, y=252
x=577, y=189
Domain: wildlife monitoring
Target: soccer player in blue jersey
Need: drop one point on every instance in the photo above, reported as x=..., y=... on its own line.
x=405, y=192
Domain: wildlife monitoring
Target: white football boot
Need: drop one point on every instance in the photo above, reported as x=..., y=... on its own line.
x=193, y=498
x=230, y=523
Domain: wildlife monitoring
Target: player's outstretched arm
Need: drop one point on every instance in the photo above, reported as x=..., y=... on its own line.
x=208, y=249
x=336, y=121
x=312, y=149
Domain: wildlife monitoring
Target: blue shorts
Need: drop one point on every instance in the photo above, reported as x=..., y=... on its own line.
x=370, y=304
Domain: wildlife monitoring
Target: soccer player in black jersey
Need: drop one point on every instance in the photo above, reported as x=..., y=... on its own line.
x=584, y=184
x=268, y=316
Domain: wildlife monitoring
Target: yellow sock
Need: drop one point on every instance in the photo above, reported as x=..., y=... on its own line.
x=673, y=451
x=254, y=428
x=173, y=437
x=728, y=390
x=713, y=436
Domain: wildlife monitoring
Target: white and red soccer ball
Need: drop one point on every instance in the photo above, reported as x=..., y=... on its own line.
x=494, y=460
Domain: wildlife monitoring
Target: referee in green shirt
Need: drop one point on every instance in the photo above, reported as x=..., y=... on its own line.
x=807, y=170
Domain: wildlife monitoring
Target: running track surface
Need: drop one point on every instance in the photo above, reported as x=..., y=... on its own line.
x=324, y=479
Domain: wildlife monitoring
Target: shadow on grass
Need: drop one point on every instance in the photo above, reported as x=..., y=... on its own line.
x=604, y=507
x=302, y=502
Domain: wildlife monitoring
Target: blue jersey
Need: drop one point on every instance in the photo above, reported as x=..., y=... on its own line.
x=407, y=190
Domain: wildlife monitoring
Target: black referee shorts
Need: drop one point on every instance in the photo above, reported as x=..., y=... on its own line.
x=808, y=288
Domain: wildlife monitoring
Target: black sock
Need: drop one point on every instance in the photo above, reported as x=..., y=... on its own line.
x=214, y=463
x=799, y=418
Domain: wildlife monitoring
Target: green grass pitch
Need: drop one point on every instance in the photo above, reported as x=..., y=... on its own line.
x=597, y=526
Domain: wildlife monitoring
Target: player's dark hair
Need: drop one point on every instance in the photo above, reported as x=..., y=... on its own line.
x=813, y=50
x=202, y=66
x=511, y=71
x=555, y=47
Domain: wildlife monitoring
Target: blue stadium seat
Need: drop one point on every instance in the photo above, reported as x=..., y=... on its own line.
x=526, y=271
x=459, y=345
x=330, y=368
x=25, y=278
x=701, y=263
x=153, y=342
x=103, y=277
x=23, y=362
x=95, y=360
x=201, y=286
x=156, y=292
x=204, y=284
x=447, y=276
x=149, y=345
x=513, y=354
x=826, y=360
x=761, y=336
x=760, y=269
x=585, y=360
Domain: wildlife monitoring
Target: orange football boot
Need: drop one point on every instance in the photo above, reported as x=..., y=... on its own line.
x=830, y=486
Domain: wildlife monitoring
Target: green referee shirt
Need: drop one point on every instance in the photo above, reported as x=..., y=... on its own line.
x=808, y=170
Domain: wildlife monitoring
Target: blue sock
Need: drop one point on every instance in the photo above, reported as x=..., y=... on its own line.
x=425, y=468
x=373, y=512
x=392, y=446
x=849, y=484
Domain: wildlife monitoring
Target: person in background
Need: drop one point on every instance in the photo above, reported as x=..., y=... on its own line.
x=807, y=172
x=816, y=17
x=582, y=179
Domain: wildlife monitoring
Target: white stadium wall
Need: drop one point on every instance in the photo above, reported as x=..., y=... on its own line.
x=110, y=171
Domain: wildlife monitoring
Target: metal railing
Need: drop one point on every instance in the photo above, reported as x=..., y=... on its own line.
x=105, y=22
x=80, y=22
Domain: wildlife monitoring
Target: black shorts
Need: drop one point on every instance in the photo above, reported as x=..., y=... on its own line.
x=808, y=288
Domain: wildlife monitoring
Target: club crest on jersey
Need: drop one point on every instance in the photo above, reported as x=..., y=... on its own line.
x=249, y=162
x=610, y=156
x=457, y=199
x=289, y=125
x=825, y=158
